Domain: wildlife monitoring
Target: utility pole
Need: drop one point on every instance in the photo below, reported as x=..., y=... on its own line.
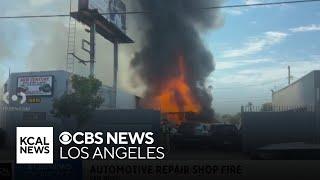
x=289, y=75
x=92, y=47
x=90, y=16
x=115, y=73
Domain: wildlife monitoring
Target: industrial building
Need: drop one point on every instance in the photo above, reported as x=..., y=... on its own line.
x=28, y=99
x=302, y=94
x=291, y=125
x=41, y=88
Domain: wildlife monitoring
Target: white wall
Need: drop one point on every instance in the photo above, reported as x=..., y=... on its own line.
x=300, y=93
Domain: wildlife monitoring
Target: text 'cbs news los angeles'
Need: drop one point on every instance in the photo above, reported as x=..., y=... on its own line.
x=35, y=146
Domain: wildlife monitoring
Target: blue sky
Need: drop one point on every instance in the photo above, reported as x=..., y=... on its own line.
x=252, y=48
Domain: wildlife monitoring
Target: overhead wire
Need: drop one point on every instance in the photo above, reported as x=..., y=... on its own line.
x=150, y=11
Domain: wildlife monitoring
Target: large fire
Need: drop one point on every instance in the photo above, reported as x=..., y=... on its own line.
x=175, y=97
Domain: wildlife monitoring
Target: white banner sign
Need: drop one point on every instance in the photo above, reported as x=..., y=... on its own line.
x=35, y=86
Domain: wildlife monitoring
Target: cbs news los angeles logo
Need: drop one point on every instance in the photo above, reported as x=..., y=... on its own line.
x=34, y=145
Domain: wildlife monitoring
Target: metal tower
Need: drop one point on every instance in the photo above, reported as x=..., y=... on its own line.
x=71, y=43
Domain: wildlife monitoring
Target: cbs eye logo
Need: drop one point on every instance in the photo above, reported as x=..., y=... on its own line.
x=65, y=138
x=79, y=138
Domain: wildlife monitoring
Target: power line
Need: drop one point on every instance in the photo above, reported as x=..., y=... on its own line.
x=223, y=7
x=260, y=4
x=149, y=12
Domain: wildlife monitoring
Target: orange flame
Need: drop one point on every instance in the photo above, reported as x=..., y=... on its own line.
x=175, y=96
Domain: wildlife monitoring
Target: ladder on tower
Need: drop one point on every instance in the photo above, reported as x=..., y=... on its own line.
x=71, y=44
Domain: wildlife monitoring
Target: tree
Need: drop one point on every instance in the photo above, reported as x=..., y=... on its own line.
x=82, y=102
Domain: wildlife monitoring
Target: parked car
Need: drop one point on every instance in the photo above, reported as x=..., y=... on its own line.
x=191, y=134
x=194, y=129
x=225, y=136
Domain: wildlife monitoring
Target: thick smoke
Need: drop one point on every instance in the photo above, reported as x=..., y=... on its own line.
x=173, y=30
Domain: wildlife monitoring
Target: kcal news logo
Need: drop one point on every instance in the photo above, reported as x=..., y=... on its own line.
x=34, y=145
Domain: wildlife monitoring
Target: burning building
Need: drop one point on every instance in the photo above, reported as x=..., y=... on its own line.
x=174, y=63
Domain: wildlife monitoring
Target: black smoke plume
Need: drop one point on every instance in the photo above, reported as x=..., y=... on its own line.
x=173, y=29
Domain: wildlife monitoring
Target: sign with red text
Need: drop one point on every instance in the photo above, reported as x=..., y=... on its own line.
x=35, y=85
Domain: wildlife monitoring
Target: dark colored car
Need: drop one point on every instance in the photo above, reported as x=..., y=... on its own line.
x=225, y=136
x=194, y=129
x=191, y=134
